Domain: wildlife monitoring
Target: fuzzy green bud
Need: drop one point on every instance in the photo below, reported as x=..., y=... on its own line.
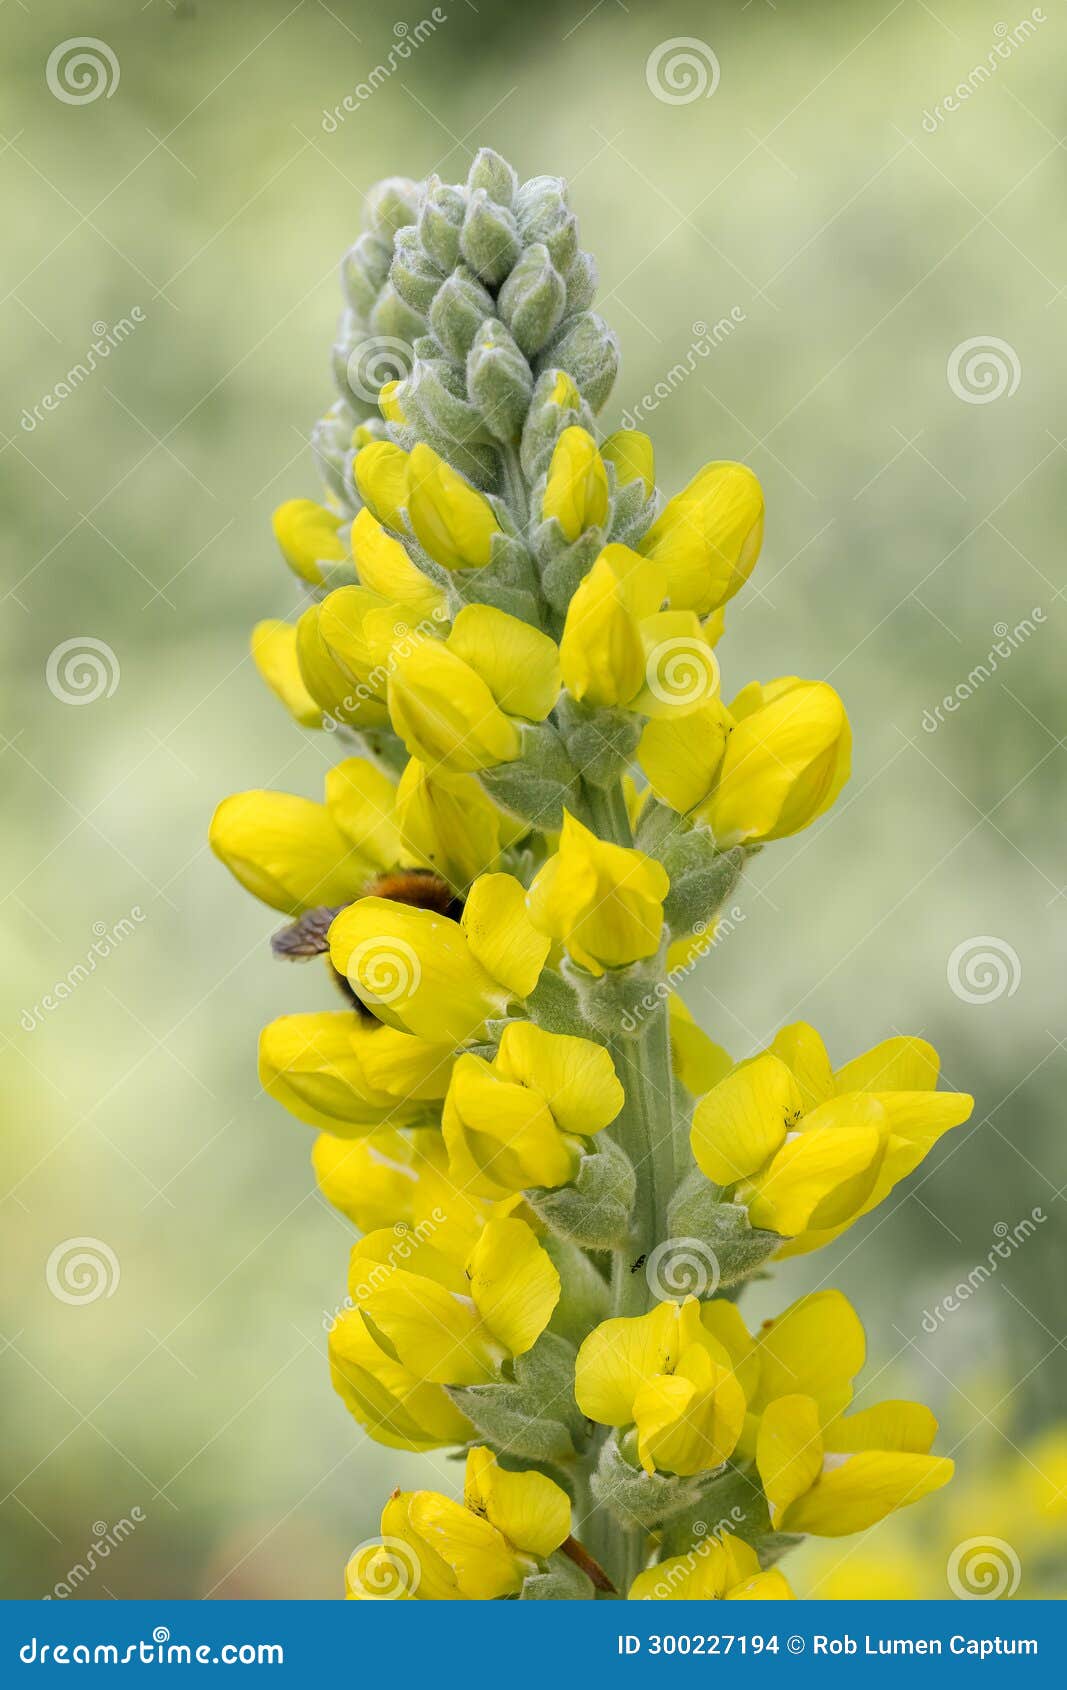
x=489, y=239
x=499, y=381
x=541, y=209
x=391, y=205
x=589, y=352
x=414, y=276
x=440, y=220
x=365, y=271
x=495, y=175
x=461, y=307
x=533, y=298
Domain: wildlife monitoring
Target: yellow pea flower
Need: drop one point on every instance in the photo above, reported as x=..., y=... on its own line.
x=309, y=535
x=387, y=1400
x=633, y=457
x=809, y=1151
x=519, y=664
x=448, y=823
x=603, y=902
x=400, y=1176
x=350, y=1078
x=680, y=756
x=453, y=522
x=670, y=1376
x=576, y=492
x=381, y=475
x=383, y=565
x=708, y=537
x=787, y=757
x=274, y=655
x=816, y=1347
x=521, y=1120
x=344, y=697
x=846, y=1476
x=619, y=648
x=715, y=1569
x=437, y=978
x=435, y=1549
x=447, y=1322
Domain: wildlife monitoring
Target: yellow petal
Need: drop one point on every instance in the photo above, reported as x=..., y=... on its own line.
x=816, y=1348
x=745, y=1119
x=447, y=823
x=680, y=755
x=308, y=536
x=575, y=1076
x=385, y=567
x=529, y=1510
x=709, y=536
x=789, y=1452
x=518, y=664
x=907, y=1427
x=618, y=1357
x=633, y=457
x=822, y=1175
x=313, y=1065
x=274, y=655
x=445, y=713
x=576, y=492
x=603, y=901
x=287, y=851
x=784, y=765
x=359, y=797
x=805, y=1055
x=862, y=1490
x=514, y=1284
x=501, y=935
x=415, y=970
x=484, y=1565
x=697, y=1060
x=453, y=523
x=397, y=1409
x=900, y=1064
x=381, y=474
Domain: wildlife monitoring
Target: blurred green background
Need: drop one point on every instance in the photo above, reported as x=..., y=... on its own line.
x=857, y=250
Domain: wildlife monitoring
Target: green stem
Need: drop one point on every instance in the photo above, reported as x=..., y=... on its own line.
x=607, y=813
x=645, y=1130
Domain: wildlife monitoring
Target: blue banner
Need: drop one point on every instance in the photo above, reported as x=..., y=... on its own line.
x=517, y=1644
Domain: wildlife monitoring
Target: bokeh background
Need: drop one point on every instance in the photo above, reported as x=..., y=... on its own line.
x=914, y=514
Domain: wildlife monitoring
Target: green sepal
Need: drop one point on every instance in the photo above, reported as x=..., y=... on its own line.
x=564, y=563
x=391, y=204
x=731, y=1500
x=589, y=352
x=585, y=1297
x=461, y=307
x=600, y=743
x=555, y=1005
x=534, y=1415
x=365, y=271
x=414, y=275
x=499, y=382
x=495, y=175
x=543, y=215
x=620, y=1001
x=561, y=1581
x=697, y=1210
x=539, y=782
x=440, y=220
x=595, y=1210
x=391, y=319
x=702, y=878
x=631, y=1494
x=545, y=423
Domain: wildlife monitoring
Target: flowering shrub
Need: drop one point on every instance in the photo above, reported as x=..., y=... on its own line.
x=562, y=1184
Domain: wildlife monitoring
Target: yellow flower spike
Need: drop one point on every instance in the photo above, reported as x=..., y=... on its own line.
x=519, y=1122
x=744, y=1119
x=446, y=1323
x=518, y=664
x=447, y=822
x=381, y=476
x=786, y=760
x=384, y=566
x=395, y=1407
x=852, y=1474
x=453, y=522
x=440, y=979
x=602, y=653
x=274, y=655
x=681, y=755
x=576, y=492
x=288, y=851
x=603, y=902
x=529, y=1509
x=633, y=457
x=308, y=535
x=445, y=714
x=716, y=1568
x=328, y=1070
x=708, y=537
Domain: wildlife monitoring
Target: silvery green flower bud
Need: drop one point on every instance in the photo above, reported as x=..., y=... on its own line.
x=533, y=298
x=440, y=220
x=461, y=307
x=499, y=381
x=556, y=405
x=331, y=442
x=599, y=742
x=489, y=239
x=435, y=402
x=584, y=1298
x=414, y=276
x=561, y=1581
x=365, y=271
x=589, y=352
x=391, y=319
x=541, y=209
x=495, y=175
x=581, y=280
x=391, y=205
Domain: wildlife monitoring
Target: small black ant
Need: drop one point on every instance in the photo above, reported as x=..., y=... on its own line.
x=640, y=1262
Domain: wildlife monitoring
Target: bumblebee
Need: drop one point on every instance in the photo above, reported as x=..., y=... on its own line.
x=308, y=936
